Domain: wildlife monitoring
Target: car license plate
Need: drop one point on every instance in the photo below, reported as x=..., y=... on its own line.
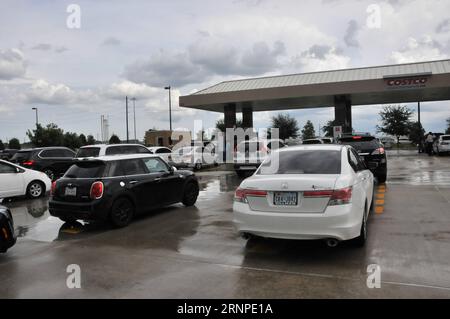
x=71, y=191
x=285, y=198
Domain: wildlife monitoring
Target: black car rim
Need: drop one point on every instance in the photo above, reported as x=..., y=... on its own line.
x=123, y=211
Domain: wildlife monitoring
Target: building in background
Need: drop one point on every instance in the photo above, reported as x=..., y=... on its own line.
x=167, y=138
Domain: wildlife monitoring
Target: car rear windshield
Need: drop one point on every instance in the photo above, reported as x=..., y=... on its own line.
x=360, y=143
x=303, y=162
x=311, y=142
x=248, y=146
x=22, y=156
x=88, y=152
x=446, y=138
x=86, y=170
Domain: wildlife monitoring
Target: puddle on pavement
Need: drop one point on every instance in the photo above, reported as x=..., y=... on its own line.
x=33, y=221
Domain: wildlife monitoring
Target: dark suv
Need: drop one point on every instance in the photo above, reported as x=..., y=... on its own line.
x=371, y=150
x=53, y=161
x=7, y=154
x=115, y=188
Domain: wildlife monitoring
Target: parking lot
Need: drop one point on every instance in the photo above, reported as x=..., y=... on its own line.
x=195, y=252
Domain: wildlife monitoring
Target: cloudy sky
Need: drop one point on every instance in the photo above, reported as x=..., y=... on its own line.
x=135, y=48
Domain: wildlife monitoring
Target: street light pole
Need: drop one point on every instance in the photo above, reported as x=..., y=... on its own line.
x=170, y=107
x=134, y=117
x=37, y=119
x=126, y=110
x=418, y=112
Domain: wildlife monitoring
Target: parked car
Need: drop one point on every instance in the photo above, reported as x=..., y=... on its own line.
x=313, y=141
x=18, y=181
x=194, y=157
x=115, y=188
x=371, y=150
x=111, y=149
x=250, y=154
x=7, y=154
x=441, y=145
x=7, y=235
x=307, y=192
x=53, y=161
x=163, y=152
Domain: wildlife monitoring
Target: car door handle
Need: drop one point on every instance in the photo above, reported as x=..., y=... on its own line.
x=133, y=182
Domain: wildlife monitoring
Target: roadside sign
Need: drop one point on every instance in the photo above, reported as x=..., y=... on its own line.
x=337, y=131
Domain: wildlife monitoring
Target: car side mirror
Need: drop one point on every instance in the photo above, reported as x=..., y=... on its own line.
x=173, y=169
x=372, y=165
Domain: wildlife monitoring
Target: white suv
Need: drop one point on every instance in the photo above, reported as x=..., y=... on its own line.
x=111, y=149
x=442, y=145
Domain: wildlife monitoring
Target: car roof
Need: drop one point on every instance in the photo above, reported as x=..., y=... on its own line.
x=318, y=147
x=110, y=145
x=109, y=158
x=43, y=148
x=157, y=147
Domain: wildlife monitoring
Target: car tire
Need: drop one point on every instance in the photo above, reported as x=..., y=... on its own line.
x=241, y=173
x=198, y=166
x=360, y=241
x=381, y=179
x=35, y=189
x=68, y=220
x=122, y=212
x=49, y=172
x=190, y=194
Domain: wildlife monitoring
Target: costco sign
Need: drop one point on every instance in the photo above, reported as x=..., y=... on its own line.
x=407, y=83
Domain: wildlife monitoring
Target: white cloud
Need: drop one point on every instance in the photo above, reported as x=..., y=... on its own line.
x=12, y=64
x=424, y=49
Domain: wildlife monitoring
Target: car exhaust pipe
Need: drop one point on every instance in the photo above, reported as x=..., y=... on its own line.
x=332, y=242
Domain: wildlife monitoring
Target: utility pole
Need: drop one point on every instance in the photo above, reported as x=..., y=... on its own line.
x=134, y=117
x=126, y=107
x=101, y=128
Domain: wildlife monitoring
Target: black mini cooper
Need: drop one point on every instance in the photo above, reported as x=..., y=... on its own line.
x=115, y=188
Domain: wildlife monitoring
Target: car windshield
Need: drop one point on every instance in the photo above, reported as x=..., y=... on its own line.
x=88, y=152
x=360, y=143
x=93, y=169
x=302, y=162
x=22, y=156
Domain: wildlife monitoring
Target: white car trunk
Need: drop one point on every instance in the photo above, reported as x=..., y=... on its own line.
x=289, y=186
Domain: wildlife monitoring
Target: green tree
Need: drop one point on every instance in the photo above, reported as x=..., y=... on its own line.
x=51, y=135
x=72, y=140
x=328, y=129
x=90, y=140
x=14, y=144
x=2, y=146
x=447, y=131
x=308, y=131
x=83, y=140
x=220, y=124
x=395, y=120
x=287, y=126
x=416, y=132
x=114, y=139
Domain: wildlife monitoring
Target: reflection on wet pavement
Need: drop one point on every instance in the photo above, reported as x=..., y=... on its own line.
x=409, y=167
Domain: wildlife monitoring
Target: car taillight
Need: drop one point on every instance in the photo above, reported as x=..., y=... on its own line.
x=337, y=197
x=378, y=151
x=96, y=190
x=53, y=189
x=28, y=163
x=241, y=194
x=341, y=197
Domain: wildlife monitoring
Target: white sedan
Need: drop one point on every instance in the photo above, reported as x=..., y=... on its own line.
x=18, y=181
x=307, y=192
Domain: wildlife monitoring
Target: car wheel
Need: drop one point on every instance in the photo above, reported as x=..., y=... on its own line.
x=198, y=166
x=50, y=173
x=122, y=212
x=35, y=189
x=360, y=241
x=190, y=194
x=68, y=220
x=382, y=178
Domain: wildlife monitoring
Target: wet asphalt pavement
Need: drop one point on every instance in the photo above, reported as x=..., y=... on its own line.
x=180, y=252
